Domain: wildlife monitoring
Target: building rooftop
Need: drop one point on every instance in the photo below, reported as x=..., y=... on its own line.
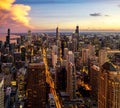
x=36, y=64
x=64, y=94
x=109, y=66
x=117, y=79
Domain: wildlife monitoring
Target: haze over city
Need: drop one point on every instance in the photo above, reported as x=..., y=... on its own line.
x=45, y=15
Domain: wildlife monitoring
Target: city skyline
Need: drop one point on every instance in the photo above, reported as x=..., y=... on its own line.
x=46, y=15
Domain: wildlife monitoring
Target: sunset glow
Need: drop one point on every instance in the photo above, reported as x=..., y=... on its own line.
x=14, y=16
x=40, y=15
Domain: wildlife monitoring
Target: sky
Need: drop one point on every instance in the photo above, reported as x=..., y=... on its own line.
x=46, y=15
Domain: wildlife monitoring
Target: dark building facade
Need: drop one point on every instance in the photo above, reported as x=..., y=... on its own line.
x=61, y=78
x=8, y=38
x=36, y=86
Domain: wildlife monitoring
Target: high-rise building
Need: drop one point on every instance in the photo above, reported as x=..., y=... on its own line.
x=65, y=53
x=74, y=44
x=109, y=86
x=1, y=91
x=71, y=75
x=94, y=74
x=55, y=55
x=85, y=55
x=49, y=57
x=36, y=86
x=75, y=38
x=60, y=77
x=54, y=60
x=62, y=48
x=87, y=52
x=57, y=34
x=70, y=45
x=102, y=57
x=70, y=57
x=1, y=45
x=55, y=49
x=104, y=53
x=91, y=49
x=58, y=43
x=71, y=80
x=23, y=53
x=77, y=32
x=17, y=56
x=59, y=53
x=29, y=36
x=8, y=38
x=57, y=74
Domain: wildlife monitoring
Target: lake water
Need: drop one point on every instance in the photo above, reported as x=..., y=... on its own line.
x=3, y=38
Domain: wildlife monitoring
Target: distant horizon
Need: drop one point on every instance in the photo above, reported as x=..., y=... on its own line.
x=61, y=31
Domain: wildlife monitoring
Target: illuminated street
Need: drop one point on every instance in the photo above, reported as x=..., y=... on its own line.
x=51, y=82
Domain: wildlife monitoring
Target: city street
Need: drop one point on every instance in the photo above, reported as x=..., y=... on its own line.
x=51, y=82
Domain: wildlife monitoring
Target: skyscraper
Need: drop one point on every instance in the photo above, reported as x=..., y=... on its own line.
x=77, y=32
x=109, y=79
x=104, y=53
x=23, y=52
x=85, y=55
x=76, y=36
x=71, y=75
x=74, y=44
x=36, y=85
x=102, y=57
x=71, y=57
x=29, y=37
x=8, y=38
x=109, y=86
x=94, y=74
x=71, y=80
x=65, y=53
x=1, y=91
x=60, y=76
x=57, y=34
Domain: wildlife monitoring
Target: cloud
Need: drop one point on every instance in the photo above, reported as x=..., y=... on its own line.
x=99, y=14
x=119, y=5
x=107, y=15
x=95, y=14
x=14, y=16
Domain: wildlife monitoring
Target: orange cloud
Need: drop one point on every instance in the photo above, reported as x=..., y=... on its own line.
x=6, y=4
x=19, y=14
x=14, y=16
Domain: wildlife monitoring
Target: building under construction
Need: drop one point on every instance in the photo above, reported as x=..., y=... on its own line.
x=36, y=86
